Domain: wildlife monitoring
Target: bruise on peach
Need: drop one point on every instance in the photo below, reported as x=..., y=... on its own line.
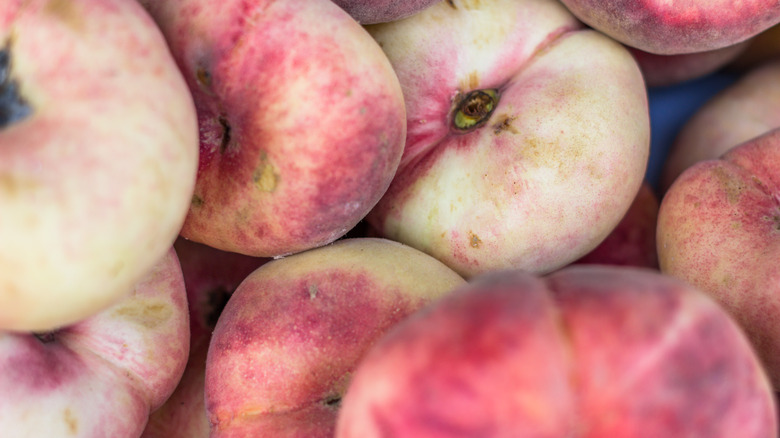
x=147, y=314
x=66, y=12
x=71, y=421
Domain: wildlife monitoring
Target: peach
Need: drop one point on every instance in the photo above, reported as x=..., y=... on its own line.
x=719, y=229
x=210, y=277
x=588, y=351
x=290, y=336
x=527, y=135
x=301, y=121
x=746, y=109
x=676, y=27
x=98, y=156
x=380, y=11
x=102, y=376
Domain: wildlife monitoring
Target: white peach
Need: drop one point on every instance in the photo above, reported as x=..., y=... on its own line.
x=98, y=156
x=527, y=135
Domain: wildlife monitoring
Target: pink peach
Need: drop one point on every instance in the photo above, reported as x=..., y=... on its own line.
x=719, y=230
x=301, y=121
x=285, y=346
x=676, y=27
x=588, y=351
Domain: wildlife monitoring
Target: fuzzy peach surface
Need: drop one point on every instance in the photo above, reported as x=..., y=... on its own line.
x=102, y=376
x=675, y=27
x=555, y=166
x=287, y=341
x=719, y=229
x=511, y=355
x=95, y=183
x=301, y=121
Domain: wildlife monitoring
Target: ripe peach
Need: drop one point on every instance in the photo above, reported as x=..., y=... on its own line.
x=675, y=27
x=103, y=375
x=528, y=135
x=719, y=229
x=290, y=336
x=588, y=351
x=98, y=155
x=301, y=119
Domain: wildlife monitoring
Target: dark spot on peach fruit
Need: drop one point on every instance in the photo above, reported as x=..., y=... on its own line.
x=504, y=124
x=333, y=401
x=474, y=240
x=196, y=201
x=45, y=338
x=225, y=133
x=204, y=77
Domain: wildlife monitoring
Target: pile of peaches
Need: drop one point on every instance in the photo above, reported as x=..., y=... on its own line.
x=386, y=218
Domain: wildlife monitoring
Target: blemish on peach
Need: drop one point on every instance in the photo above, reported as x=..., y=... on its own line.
x=312, y=291
x=196, y=201
x=71, y=421
x=149, y=315
x=504, y=124
x=472, y=81
x=65, y=11
x=264, y=176
x=13, y=186
x=775, y=219
x=203, y=77
x=732, y=186
x=474, y=240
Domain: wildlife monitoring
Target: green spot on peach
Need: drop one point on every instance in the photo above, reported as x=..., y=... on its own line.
x=149, y=315
x=264, y=176
x=733, y=187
